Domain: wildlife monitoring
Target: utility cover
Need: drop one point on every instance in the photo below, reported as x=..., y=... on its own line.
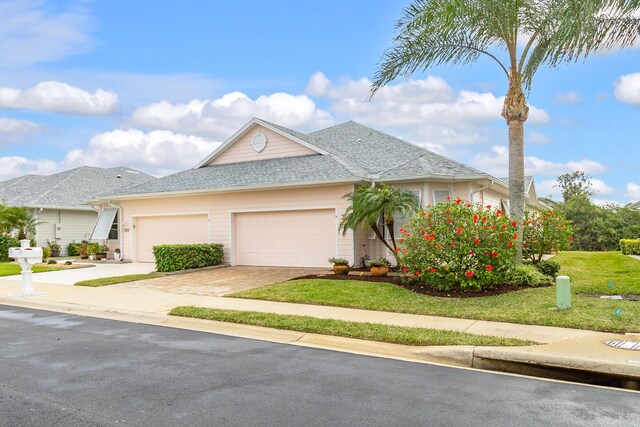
x=103, y=225
x=623, y=344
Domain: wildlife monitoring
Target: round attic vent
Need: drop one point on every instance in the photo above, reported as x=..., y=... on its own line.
x=259, y=141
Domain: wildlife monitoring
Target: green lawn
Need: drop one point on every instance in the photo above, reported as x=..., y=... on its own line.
x=358, y=330
x=104, y=281
x=10, y=269
x=534, y=306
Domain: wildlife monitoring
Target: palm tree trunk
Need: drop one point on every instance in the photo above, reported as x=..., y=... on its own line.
x=515, y=111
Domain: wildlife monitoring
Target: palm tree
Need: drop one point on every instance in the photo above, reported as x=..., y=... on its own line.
x=370, y=203
x=519, y=36
x=14, y=217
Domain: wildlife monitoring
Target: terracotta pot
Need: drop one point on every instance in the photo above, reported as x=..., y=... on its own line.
x=340, y=269
x=382, y=270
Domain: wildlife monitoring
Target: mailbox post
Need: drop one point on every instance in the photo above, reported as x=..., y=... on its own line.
x=26, y=256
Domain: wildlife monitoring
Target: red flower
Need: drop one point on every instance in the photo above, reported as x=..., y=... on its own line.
x=477, y=241
x=424, y=213
x=433, y=270
x=484, y=218
x=469, y=273
x=468, y=205
x=494, y=254
x=471, y=253
x=515, y=224
x=459, y=230
x=475, y=218
x=404, y=269
x=550, y=212
x=447, y=211
x=397, y=249
x=504, y=227
x=439, y=247
x=489, y=267
x=515, y=236
x=448, y=197
x=449, y=220
x=571, y=238
x=510, y=243
x=498, y=212
x=488, y=206
x=400, y=240
x=524, y=245
x=418, y=273
x=458, y=200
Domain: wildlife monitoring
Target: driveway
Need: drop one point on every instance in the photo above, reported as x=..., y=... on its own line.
x=222, y=281
x=69, y=277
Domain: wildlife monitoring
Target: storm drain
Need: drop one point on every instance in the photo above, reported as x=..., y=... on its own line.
x=623, y=344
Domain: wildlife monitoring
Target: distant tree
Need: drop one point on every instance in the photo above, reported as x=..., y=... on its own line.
x=519, y=36
x=370, y=204
x=574, y=184
x=18, y=218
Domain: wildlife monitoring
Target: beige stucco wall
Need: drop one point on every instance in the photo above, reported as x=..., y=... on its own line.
x=221, y=206
x=75, y=226
x=277, y=146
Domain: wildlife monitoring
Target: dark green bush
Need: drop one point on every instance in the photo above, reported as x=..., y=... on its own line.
x=7, y=242
x=630, y=246
x=527, y=275
x=74, y=249
x=181, y=257
x=52, y=261
x=548, y=268
x=68, y=263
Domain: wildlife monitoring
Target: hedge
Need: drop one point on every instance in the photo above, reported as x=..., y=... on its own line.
x=181, y=257
x=7, y=242
x=630, y=246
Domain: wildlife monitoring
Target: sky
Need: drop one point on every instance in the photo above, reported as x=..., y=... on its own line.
x=158, y=85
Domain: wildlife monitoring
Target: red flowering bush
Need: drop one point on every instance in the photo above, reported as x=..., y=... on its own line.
x=544, y=231
x=458, y=245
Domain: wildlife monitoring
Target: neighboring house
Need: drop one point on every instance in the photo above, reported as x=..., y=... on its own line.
x=57, y=200
x=273, y=196
x=635, y=205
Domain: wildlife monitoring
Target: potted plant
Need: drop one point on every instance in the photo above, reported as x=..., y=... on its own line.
x=54, y=247
x=83, y=251
x=117, y=255
x=379, y=266
x=101, y=252
x=340, y=265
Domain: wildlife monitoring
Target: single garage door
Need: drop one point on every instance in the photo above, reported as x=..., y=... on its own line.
x=159, y=230
x=304, y=238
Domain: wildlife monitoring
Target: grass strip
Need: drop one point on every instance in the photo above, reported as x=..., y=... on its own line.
x=341, y=328
x=105, y=281
x=11, y=269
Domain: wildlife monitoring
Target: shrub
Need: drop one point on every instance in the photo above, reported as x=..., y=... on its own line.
x=52, y=261
x=68, y=263
x=74, y=249
x=548, y=268
x=544, y=232
x=458, y=245
x=7, y=242
x=527, y=275
x=338, y=261
x=378, y=262
x=630, y=246
x=181, y=257
x=46, y=253
x=92, y=248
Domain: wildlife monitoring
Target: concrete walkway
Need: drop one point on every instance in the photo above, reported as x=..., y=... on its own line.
x=71, y=276
x=566, y=348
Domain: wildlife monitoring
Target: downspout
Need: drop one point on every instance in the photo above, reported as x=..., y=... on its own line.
x=481, y=189
x=120, y=231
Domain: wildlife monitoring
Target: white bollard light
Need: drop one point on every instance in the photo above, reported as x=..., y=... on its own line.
x=26, y=256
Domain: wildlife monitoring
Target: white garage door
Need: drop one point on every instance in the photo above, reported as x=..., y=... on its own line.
x=303, y=238
x=159, y=230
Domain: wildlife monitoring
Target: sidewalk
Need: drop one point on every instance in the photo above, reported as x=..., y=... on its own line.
x=563, y=348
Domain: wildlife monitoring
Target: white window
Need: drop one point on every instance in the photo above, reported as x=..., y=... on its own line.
x=506, y=208
x=441, y=195
x=399, y=221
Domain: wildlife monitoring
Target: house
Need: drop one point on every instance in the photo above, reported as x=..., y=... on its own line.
x=275, y=197
x=58, y=200
x=635, y=205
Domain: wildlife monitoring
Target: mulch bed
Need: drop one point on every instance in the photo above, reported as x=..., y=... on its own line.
x=420, y=288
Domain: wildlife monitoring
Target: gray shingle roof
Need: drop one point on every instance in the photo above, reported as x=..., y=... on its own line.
x=354, y=152
x=287, y=170
x=70, y=188
x=527, y=182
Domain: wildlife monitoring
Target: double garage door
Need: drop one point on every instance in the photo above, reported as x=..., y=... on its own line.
x=299, y=238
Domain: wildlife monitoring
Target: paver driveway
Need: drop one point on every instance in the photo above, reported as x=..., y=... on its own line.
x=222, y=281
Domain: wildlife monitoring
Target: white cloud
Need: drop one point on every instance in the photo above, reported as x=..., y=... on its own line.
x=59, y=97
x=158, y=152
x=599, y=187
x=32, y=32
x=14, y=166
x=220, y=118
x=633, y=191
x=567, y=98
x=627, y=89
x=13, y=130
x=497, y=163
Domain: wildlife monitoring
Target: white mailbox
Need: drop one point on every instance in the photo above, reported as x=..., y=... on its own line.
x=26, y=256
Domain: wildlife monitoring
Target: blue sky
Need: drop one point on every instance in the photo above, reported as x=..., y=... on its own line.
x=157, y=85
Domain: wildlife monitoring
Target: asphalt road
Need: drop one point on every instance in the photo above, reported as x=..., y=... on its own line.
x=64, y=370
